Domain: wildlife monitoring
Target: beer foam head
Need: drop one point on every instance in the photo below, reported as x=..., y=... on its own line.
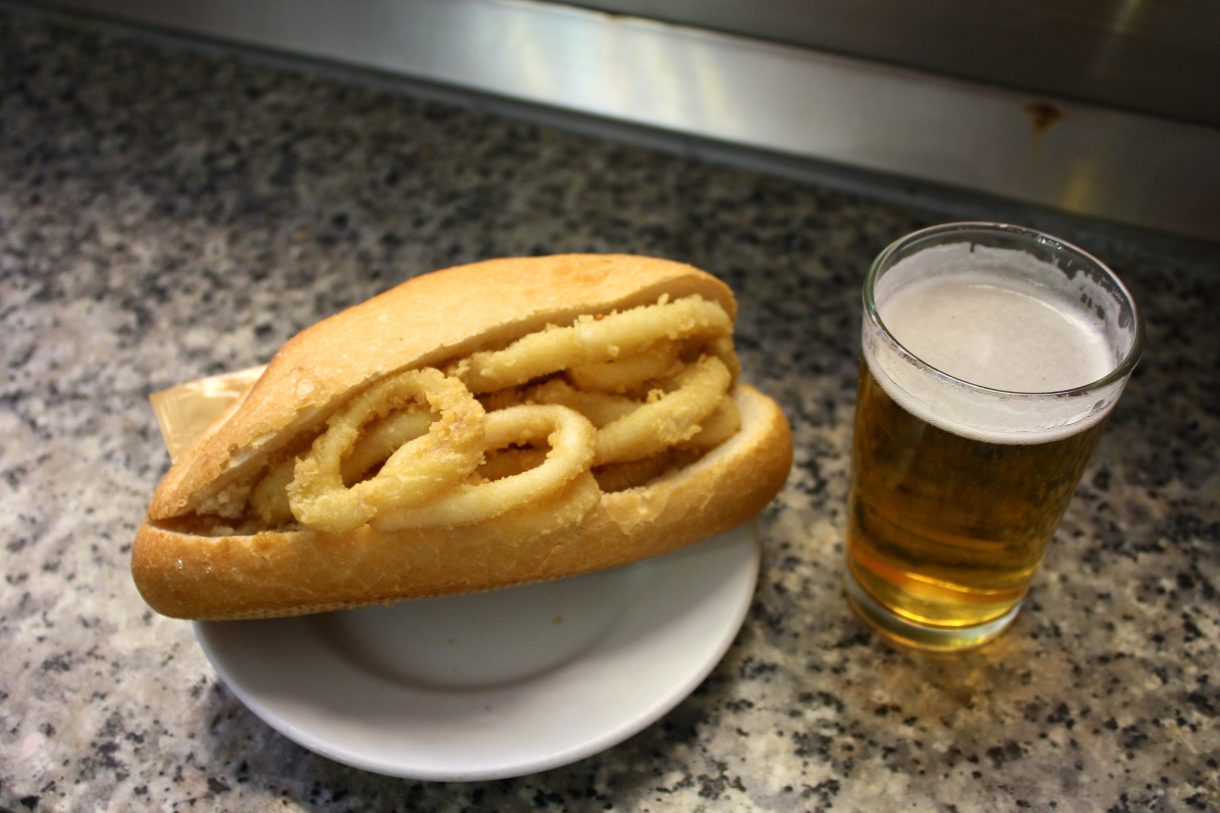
x=994, y=344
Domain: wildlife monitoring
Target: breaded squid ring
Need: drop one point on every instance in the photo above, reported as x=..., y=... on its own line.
x=376, y=443
x=415, y=472
x=379, y=440
x=600, y=408
x=565, y=508
x=570, y=436
x=627, y=373
x=592, y=339
x=718, y=427
x=672, y=418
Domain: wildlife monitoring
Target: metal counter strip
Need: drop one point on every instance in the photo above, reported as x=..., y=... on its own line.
x=777, y=99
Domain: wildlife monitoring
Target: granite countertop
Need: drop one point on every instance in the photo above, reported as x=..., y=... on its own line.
x=167, y=213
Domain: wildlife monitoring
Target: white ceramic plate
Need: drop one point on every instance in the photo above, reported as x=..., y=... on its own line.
x=498, y=684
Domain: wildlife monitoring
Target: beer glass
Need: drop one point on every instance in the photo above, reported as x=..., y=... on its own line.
x=992, y=356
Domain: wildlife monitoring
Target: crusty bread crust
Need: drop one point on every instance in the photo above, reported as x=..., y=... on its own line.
x=279, y=574
x=421, y=322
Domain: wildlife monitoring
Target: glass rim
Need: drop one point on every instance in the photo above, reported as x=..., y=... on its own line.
x=1120, y=371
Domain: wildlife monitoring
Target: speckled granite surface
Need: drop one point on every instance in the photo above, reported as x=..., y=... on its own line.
x=165, y=215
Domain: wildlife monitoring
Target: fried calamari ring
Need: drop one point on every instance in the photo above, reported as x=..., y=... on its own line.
x=379, y=440
x=570, y=436
x=269, y=500
x=432, y=471
x=718, y=427
x=600, y=408
x=669, y=419
x=565, y=508
x=627, y=373
x=593, y=339
x=722, y=348
x=416, y=471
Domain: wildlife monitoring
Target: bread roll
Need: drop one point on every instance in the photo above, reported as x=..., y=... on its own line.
x=202, y=554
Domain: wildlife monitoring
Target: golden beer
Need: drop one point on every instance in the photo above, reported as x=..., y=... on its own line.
x=947, y=530
x=992, y=356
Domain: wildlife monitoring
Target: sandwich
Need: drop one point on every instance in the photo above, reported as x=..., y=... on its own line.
x=485, y=426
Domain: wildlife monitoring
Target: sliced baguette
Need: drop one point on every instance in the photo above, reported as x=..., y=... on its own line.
x=189, y=564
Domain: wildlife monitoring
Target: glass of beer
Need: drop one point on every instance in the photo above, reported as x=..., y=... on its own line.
x=992, y=356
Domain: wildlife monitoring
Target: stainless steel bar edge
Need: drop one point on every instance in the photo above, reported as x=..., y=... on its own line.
x=782, y=100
